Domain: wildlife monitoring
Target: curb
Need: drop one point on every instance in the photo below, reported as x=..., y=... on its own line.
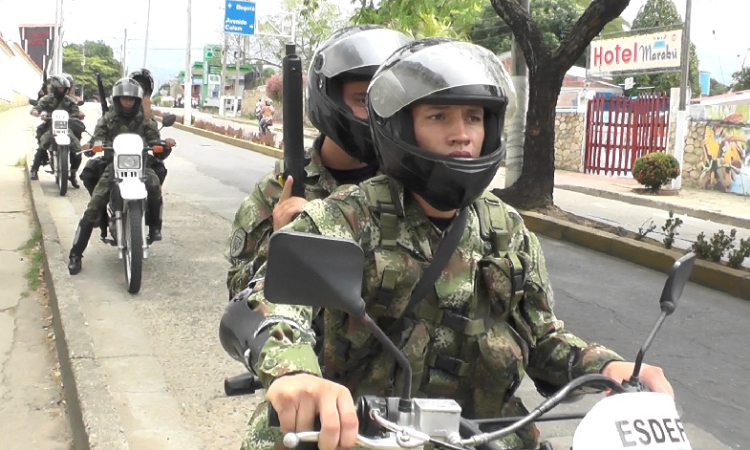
x=307, y=132
x=633, y=200
x=94, y=421
x=725, y=279
x=247, y=145
x=721, y=278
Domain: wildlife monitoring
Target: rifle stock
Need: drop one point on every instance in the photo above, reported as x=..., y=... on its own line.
x=102, y=95
x=294, y=143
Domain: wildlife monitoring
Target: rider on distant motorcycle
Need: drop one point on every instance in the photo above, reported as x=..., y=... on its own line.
x=56, y=99
x=146, y=80
x=126, y=116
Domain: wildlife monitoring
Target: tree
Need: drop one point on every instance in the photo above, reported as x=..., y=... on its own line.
x=99, y=58
x=547, y=67
x=663, y=13
x=313, y=25
x=555, y=19
x=741, y=79
x=717, y=88
x=420, y=18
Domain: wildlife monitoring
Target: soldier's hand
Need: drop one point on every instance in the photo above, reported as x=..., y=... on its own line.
x=298, y=399
x=171, y=142
x=81, y=115
x=287, y=207
x=86, y=146
x=35, y=113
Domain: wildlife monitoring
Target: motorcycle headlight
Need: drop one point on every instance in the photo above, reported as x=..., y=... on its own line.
x=128, y=162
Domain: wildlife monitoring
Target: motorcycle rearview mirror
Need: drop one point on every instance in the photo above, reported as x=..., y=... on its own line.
x=317, y=271
x=675, y=284
x=76, y=125
x=168, y=120
x=325, y=272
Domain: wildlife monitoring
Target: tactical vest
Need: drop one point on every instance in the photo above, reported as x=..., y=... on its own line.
x=494, y=226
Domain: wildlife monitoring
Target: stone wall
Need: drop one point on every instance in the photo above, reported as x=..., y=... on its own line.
x=570, y=133
x=693, y=158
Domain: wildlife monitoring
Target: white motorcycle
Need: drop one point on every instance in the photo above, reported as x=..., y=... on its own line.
x=630, y=417
x=127, y=209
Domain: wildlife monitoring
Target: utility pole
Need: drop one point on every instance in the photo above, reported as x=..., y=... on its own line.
x=125, y=54
x=517, y=125
x=681, y=122
x=187, y=96
x=222, y=91
x=145, y=45
x=237, y=91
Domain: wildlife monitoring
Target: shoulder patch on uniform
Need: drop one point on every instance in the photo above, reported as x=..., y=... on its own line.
x=237, y=243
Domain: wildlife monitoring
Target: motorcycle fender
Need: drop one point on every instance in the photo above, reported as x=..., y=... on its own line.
x=132, y=189
x=62, y=139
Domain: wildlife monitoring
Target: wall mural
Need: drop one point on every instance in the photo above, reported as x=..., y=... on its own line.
x=726, y=159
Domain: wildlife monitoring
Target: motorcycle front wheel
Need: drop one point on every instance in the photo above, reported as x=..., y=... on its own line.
x=61, y=169
x=133, y=241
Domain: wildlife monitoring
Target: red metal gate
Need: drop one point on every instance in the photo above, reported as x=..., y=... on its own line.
x=620, y=130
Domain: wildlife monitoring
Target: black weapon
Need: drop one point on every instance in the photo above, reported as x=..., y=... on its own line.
x=294, y=143
x=102, y=95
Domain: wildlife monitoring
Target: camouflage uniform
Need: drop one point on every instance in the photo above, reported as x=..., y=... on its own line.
x=253, y=222
x=107, y=128
x=48, y=104
x=473, y=338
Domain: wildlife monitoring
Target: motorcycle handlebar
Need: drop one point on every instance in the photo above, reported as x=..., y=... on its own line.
x=373, y=421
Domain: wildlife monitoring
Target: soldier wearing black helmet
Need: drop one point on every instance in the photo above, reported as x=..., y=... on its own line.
x=337, y=79
x=126, y=116
x=146, y=80
x=58, y=98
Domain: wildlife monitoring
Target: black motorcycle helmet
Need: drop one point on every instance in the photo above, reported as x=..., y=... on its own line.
x=145, y=79
x=350, y=54
x=443, y=71
x=59, y=86
x=127, y=87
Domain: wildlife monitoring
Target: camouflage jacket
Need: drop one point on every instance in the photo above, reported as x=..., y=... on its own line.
x=253, y=221
x=49, y=103
x=111, y=124
x=505, y=336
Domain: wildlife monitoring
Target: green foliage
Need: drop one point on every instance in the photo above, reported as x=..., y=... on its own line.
x=99, y=59
x=422, y=18
x=655, y=169
x=741, y=80
x=663, y=13
x=717, y=88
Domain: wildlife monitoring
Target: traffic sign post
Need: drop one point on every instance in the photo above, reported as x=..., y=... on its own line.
x=239, y=17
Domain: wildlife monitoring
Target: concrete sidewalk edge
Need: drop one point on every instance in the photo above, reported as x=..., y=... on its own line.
x=712, y=275
x=642, y=201
x=94, y=420
x=721, y=278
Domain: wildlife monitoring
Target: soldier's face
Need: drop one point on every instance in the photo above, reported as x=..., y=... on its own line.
x=354, y=93
x=449, y=130
x=127, y=102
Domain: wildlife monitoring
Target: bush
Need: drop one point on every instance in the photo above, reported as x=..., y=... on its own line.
x=656, y=169
x=275, y=86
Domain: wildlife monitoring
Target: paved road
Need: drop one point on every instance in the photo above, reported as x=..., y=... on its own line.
x=165, y=365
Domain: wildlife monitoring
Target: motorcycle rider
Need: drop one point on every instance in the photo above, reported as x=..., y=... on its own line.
x=341, y=68
x=57, y=99
x=146, y=80
x=75, y=157
x=437, y=110
x=126, y=116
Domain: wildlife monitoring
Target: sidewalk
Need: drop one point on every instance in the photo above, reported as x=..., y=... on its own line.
x=32, y=409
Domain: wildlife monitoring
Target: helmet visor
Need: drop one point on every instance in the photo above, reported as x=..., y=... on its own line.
x=364, y=49
x=433, y=69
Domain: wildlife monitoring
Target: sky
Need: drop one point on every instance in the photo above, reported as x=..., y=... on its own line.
x=718, y=28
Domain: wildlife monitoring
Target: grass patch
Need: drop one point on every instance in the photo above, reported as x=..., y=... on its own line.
x=32, y=249
x=21, y=162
